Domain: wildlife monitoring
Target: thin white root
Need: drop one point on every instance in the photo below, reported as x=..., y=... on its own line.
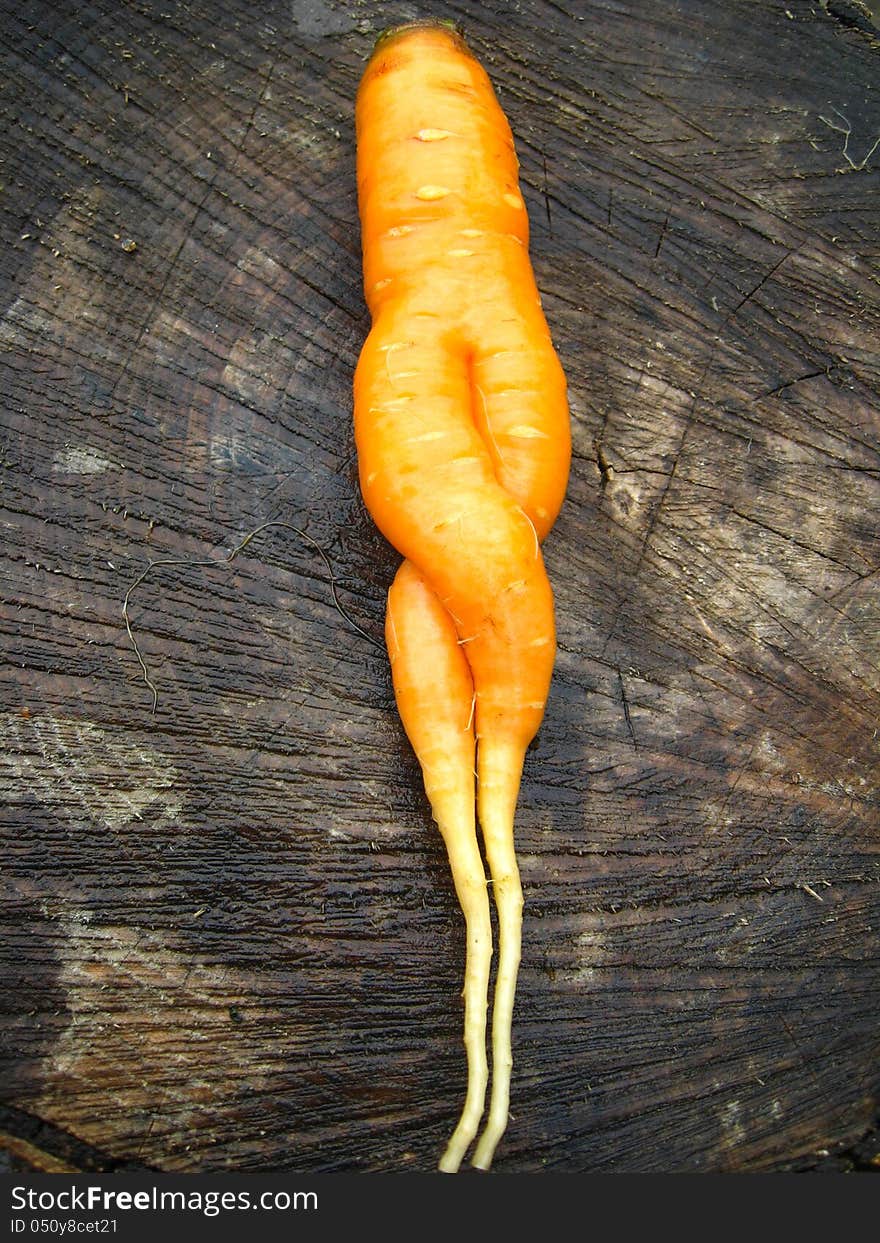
x=499, y=765
x=470, y=884
x=509, y=902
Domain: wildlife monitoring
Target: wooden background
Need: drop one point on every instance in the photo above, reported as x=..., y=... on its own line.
x=229, y=935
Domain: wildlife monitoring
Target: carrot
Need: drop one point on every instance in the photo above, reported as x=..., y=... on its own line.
x=462, y=433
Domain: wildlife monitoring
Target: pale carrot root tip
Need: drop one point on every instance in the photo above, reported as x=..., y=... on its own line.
x=509, y=903
x=476, y=995
x=449, y=1163
x=461, y=1139
x=499, y=767
x=485, y=1150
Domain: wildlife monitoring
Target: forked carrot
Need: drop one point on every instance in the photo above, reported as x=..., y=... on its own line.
x=462, y=432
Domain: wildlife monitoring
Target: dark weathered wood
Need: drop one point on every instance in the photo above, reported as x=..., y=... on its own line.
x=230, y=939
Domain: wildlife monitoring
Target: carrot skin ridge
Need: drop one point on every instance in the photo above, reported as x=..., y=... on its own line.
x=463, y=440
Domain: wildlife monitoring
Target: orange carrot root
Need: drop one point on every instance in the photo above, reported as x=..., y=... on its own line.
x=462, y=432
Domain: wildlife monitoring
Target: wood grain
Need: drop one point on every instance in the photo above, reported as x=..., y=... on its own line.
x=230, y=939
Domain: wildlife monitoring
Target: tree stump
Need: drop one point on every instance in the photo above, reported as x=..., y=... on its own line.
x=231, y=940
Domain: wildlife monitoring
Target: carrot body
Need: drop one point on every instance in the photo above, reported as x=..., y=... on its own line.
x=462, y=433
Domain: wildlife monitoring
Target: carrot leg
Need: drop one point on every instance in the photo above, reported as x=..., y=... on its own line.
x=434, y=689
x=500, y=767
x=470, y=885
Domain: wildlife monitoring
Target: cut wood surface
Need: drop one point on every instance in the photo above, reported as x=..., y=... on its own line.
x=230, y=939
